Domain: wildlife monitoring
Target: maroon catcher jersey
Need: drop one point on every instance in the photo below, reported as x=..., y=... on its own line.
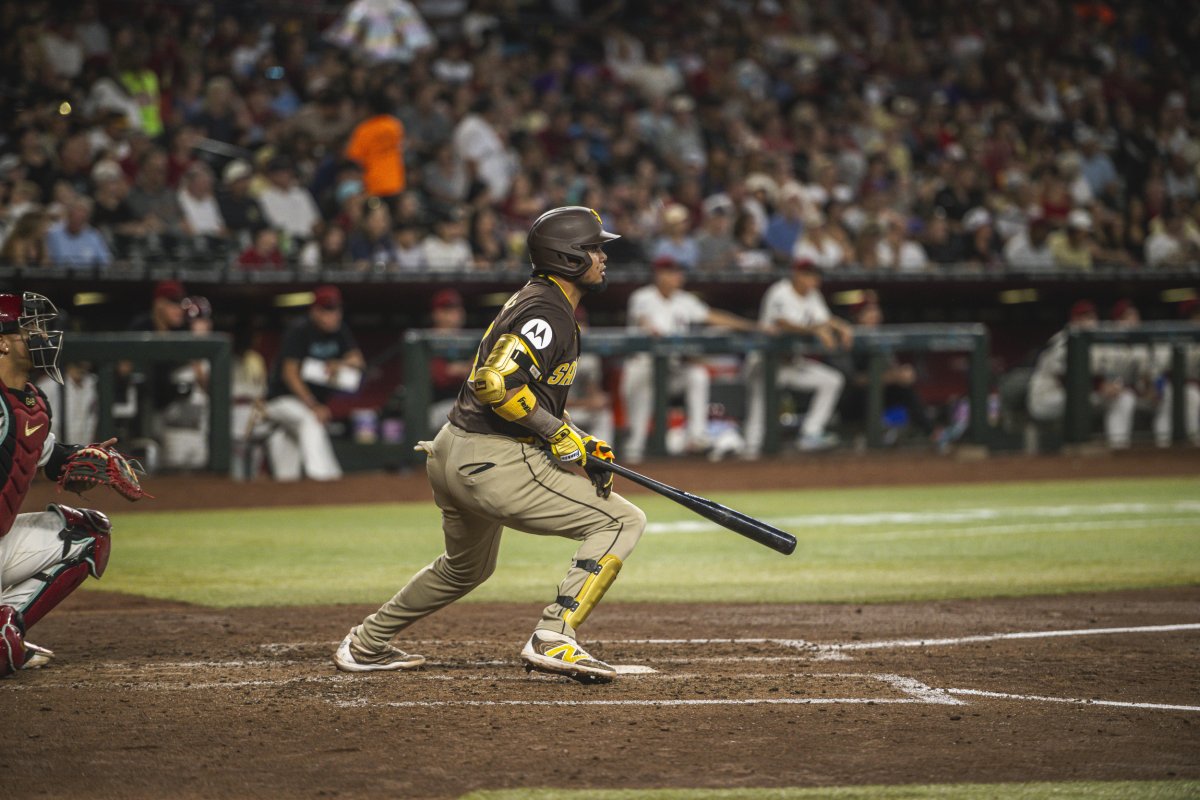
x=24, y=426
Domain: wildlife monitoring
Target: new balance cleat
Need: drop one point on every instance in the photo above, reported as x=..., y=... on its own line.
x=558, y=654
x=352, y=657
x=36, y=657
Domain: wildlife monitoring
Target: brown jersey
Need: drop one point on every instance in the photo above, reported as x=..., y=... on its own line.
x=544, y=319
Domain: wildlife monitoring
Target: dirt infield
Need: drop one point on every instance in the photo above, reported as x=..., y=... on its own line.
x=159, y=700
x=150, y=699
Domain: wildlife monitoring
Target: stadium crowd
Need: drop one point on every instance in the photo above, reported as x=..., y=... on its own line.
x=783, y=140
x=732, y=136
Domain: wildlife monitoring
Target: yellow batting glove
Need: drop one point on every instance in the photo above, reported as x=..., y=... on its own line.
x=567, y=446
x=598, y=450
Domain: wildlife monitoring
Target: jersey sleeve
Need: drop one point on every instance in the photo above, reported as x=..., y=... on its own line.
x=547, y=332
x=695, y=310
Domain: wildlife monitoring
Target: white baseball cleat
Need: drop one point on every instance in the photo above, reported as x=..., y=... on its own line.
x=36, y=657
x=350, y=657
x=559, y=654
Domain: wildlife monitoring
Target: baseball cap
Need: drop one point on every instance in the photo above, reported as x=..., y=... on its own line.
x=327, y=296
x=666, y=262
x=1079, y=219
x=169, y=290
x=976, y=218
x=676, y=212
x=804, y=264
x=1121, y=307
x=236, y=170
x=447, y=298
x=1082, y=308
x=1188, y=308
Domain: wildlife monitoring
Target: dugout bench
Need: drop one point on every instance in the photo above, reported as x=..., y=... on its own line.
x=420, y=346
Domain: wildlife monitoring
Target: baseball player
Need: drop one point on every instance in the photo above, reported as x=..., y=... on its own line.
x=1047, y=397
x=1189, y=310
x=664, y=308
x=795, y=305
x=44, y=555
x=499, y=462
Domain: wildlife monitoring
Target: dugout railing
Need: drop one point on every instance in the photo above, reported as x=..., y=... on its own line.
x=420, y=346
x=143, y=350
x=1077, y=425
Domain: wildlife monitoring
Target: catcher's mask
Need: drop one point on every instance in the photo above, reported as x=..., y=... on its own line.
x=559, y=240
x=31, y=315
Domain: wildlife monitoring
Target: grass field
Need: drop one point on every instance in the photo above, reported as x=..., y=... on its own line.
x=855, y=545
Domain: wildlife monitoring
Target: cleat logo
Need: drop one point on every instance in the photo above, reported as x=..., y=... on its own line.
x=567, y=653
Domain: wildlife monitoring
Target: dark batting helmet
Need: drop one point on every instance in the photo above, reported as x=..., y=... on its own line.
x=559, y=240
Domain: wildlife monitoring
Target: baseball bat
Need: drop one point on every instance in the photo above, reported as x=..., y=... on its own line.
x=726, y=517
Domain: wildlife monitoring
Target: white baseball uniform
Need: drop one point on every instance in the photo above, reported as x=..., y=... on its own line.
x=782, y=303
x=1047, y=397
x=1161, y=374
x=651, y=312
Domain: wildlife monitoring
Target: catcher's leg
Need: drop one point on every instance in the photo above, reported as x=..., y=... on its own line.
x=12, y=641
x=50, y=554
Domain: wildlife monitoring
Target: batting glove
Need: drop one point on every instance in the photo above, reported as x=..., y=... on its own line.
x=598, y=450
x=567, y=446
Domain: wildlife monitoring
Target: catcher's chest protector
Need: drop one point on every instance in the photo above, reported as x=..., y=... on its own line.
x=23, y=431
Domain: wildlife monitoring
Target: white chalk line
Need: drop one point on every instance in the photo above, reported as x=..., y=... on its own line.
x=949, y=517
x=1071, y=700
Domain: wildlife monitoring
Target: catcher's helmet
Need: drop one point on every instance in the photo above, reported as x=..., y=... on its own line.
x=32, y=314
x=559, y=239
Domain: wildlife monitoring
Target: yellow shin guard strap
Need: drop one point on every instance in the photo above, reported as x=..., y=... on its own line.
x=592, y=590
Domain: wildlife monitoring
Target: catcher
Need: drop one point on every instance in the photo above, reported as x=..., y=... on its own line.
x=44, y=555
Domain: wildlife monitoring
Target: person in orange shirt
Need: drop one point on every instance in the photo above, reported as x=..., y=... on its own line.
x=377, y=144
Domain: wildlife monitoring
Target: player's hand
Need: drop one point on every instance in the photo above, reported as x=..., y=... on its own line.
x=597, y=451
x=567, y=446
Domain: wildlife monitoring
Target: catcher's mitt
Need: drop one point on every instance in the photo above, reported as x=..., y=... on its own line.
x=95, y=465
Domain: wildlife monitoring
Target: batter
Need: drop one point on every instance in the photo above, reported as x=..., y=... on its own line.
x=499, y=462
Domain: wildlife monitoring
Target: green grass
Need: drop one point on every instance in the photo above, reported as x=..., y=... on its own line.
x=1012, y=539
x=1093, y=790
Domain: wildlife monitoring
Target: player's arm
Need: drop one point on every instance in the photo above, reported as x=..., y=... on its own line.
x=501, y=382
x=723, y=319
x=290, y=372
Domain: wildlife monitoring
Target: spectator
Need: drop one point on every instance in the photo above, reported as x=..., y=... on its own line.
x=201, y=212
x=287, y=206
x=676, y=242
x=74, y=242
x=1096, y=165
x=446, y=375
x=663, y=308
x=112, y=215
x=331, y=251
x=477, y=142
x=371, y=245
x=263, y=251
x=487, y=240
x=1029, y=249
x=238, y=209
x=152, y=201
x=1072, y=248
x=1169, y=246
x=897, y=250
x=318, y=356
x=821, y=244
x=715, y=247
x=982, y=244
x=220, y=117
x=410, y=255
x=26, y=242
x=447, y=248
x=445, y=178
x=787, y=223
x=942, y=246
x=749, y=254
x=324, y=120
x=377, y=145
x=795, y=306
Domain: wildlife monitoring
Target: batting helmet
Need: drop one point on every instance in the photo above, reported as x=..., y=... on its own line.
x=559, y=240
x=32, y=314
